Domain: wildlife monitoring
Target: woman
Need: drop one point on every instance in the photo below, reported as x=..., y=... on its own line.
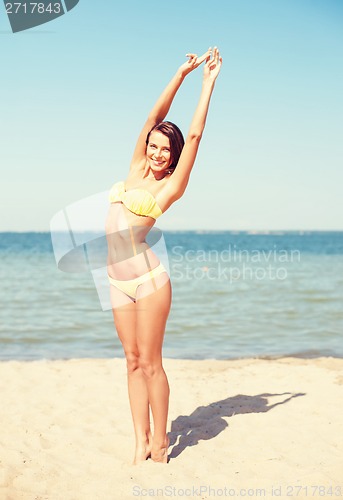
x=140, y=287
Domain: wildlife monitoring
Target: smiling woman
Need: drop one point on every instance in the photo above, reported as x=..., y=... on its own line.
x=164, y=145
x=158, y=152
x=140, y=288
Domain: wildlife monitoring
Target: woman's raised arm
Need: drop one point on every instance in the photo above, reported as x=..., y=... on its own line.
x=180, y=177
x=162, y=106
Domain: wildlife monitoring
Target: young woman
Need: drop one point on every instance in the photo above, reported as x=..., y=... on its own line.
x=139, y=284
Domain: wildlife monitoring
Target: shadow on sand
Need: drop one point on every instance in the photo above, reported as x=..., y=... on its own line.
x=206, y=422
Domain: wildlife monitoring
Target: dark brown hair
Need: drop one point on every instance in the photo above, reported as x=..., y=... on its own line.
x=175, y=137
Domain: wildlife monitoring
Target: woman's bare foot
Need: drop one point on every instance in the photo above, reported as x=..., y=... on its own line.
x=143, y=450
x=160, y=453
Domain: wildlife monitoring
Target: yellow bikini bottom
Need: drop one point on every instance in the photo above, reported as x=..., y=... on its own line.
x=129, y=287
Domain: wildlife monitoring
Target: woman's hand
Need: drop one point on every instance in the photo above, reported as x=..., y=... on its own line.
x=212, y=65
x=193, y=62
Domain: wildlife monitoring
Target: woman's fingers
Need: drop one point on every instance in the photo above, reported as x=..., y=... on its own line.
x=205, y=56
x=213, y=64
x=215, y=59
x=193, y=58
x=211, y=57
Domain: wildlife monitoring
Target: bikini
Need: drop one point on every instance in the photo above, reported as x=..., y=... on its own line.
x=140, y=202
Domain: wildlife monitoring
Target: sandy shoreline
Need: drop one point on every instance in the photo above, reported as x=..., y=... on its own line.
x=273, y=427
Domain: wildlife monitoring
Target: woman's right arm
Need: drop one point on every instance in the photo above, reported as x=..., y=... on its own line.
x=162, y=106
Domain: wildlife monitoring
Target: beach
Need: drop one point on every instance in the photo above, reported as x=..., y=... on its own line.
x=240, y=427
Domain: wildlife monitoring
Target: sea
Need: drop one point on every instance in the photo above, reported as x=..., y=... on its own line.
x=236, y=294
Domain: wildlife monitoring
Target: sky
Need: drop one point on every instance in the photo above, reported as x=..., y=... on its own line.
x=76, y=91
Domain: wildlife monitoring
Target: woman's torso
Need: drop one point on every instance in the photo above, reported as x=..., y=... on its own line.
x=129, y=255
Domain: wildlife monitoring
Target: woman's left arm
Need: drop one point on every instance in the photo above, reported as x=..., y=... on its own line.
x=178, y=181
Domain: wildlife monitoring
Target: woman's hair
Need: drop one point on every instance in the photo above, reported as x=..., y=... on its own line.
x=175, y=137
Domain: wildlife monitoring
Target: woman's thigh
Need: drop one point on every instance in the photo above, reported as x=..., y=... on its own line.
x=140, y=325
x=153, y=306
x=125, y=322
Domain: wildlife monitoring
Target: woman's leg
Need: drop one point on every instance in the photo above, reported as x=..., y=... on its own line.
x=153, y=306
x=125, y=322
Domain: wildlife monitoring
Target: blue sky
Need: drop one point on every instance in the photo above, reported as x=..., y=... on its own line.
x=76, y=91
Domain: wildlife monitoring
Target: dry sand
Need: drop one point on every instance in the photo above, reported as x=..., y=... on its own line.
x=255, y=428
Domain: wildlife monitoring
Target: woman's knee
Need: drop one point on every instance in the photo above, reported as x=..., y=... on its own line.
x=149, y=367
x=132, y=361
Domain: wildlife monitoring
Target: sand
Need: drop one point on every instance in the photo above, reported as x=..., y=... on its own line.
x=255, y=428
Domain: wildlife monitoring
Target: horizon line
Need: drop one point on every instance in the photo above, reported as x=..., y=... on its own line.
x=250, y=231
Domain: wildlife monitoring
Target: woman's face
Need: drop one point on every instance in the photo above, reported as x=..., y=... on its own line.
x=158, y=151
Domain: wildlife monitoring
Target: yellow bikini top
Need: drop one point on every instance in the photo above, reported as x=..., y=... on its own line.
x=139, y=201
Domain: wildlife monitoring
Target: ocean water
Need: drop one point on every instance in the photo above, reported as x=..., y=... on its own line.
x=235, y=295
